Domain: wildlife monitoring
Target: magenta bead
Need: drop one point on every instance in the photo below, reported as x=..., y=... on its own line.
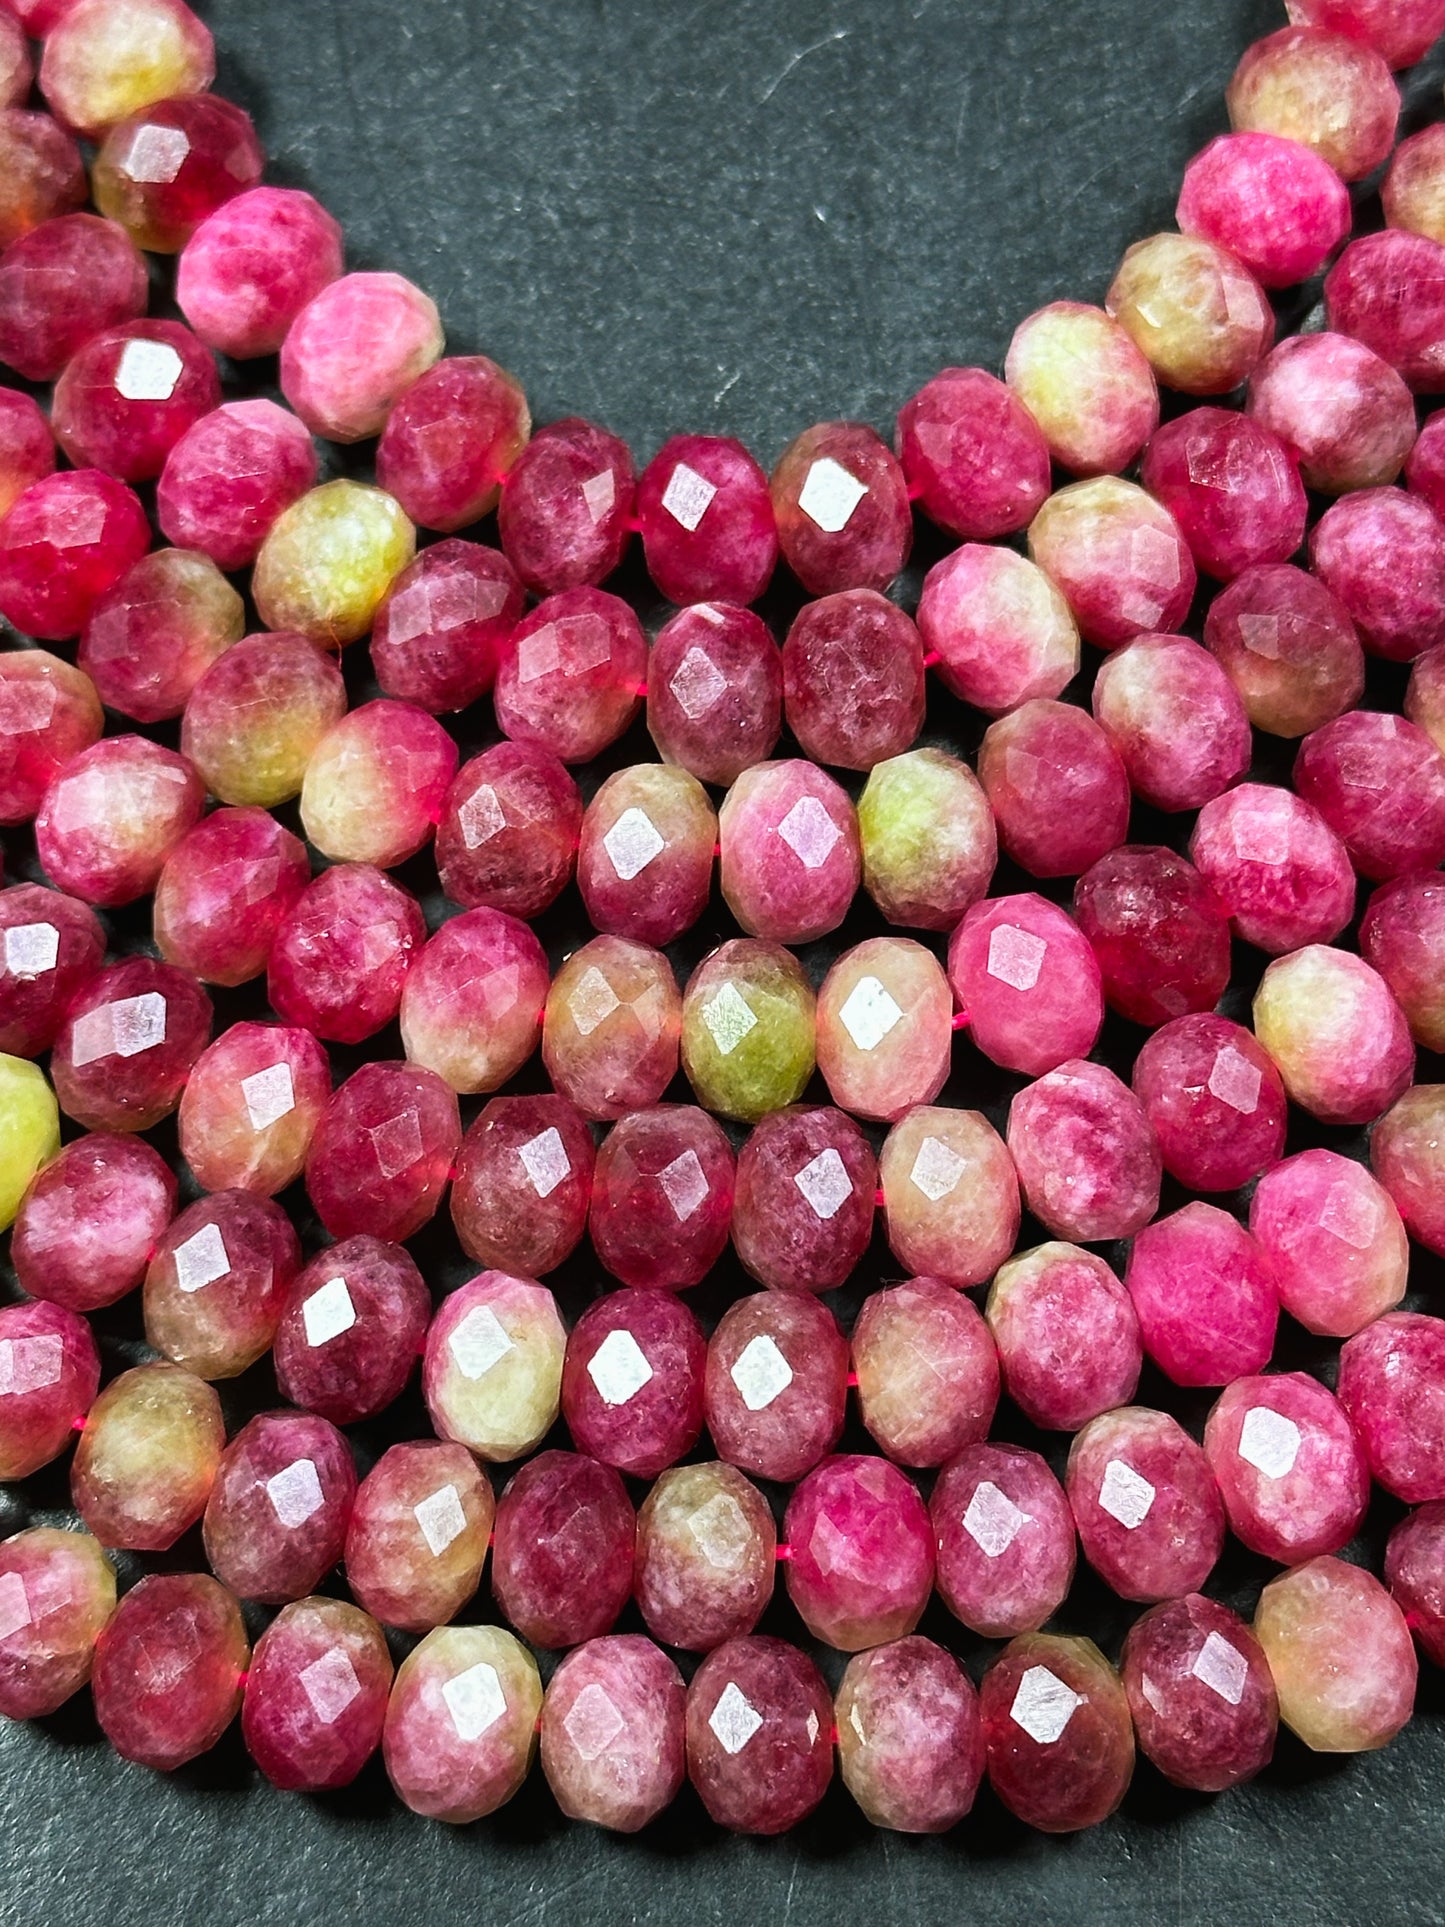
x=1201, y=1694
x=1290, y=1468
x=523, y=1184
x=438, y=634
x=1214, y=1099
x=169, y=1669
x=571, y=674
x=706, y=1556
x=382, y=1154
x=127, y=1045
x=354, y=350
x=340, y=958
x=1085, y=1152
x=127, y=397
x=450, y=441
x=1425, y=463
x=1204, y=1291
x=611, y=1027
x=44, y=174
x=149, y=639
x=1159, y=937
x=49, y=1376
x=1067, y=1336
x=973, y=456
x=562, y=1550
x=62, y=284
x=1415, y=1574
x=853, y=679
x=1025, y=977
x=632, y=1381
x=1274, y=204
x=1275, y=866
x=1346, y=415
x=1057, y=787
x=49, y=713
x=160, y=172
x=842, y=511
x=27, y=447
x=715, y=691
x=613, y=1733
x=1390, y=1382
x=707, y=521
x=276, y=1519
x=1379, y=782
x=352, y=1330
x=1402, y=936
x=1117, y=556
x=50, y=946
x=1232, y=486
x=565, y=516
x=790, y=860
x=316, y=1695
x=1005, y=1539
x=1337, y=1035
x=1382, y=552
x=759, y=1746
x=509, y=829
x=861, y=1567
x=87, y=1226
x=250, y=1106
x=230, y=476
x=376, y=782
x=1149, y=1513
x=252, y=266
x=1335, y=1239
x=66, y=540
x=927, y=1371
x=1388, y=290
x=1401, y=30
x=662, y=1197
x=224, y=892
x=59, y=1593
x=111, y=817
x=419, y=1534
x=775, y=1388
x=1175, y=719
x=803, y=1207
x=217, y=1282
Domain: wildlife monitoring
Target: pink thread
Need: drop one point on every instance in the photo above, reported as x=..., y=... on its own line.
x=960, y=1022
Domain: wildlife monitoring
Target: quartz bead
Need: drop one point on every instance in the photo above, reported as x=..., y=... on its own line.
x=375, y=784
x=1027, y=979
x=341, y=957
x=250, y=1106
x=707, y=521
x=1402, y=936
x=1057, y=787
x=790, y=860
x=1388, y=290
x=1067, y=1336
x=1275, y=867
x=352, y=1330
x=1205, y=1294
x=842, y=511
x=1176, y=720
x=759, y=1735
x=950, y=1195
x=705, y=1556
x=1087, y=1159
x=253, y=265
x=644, y=866
x=1060, y=1744
x=1005, y=1539
x=29, y=1131
x=224, y=892
x=1001, y=630
x=316, y=1695
x=748, y=1029
x=160, y=172
x=127, y=396
x=127, y=1045
x=1144, y=1497
x=382, y=1153
x=1402, y=30
x=1196, y=312
x=1335, y=1240
x=276, y=1519
x=49, y=1373
x=471, y=1003
x=218, y=1280
x=613, y=1746
x=27, y=447
x=418, y=1535
x=1344, y=412
x=105, y=61
x=1288, y=645
x=1413, y=1574
x=451, y=439
x=1158, y=934
x=974, y=458
x=1214, y=1100
x=230, y=476
x=90, y=1221
x=41, y=172
x=1118, y=557
x=1341, y=1655
x=169, y=1669
x=565, y=516
x=1274, y=204
x=50, y=946
x=1407, y=1149
x=66, y=539
x=775, y=1390
x=438, y=634
x=662, y=1197
x=523, y=1184
x=354, y=350
x=1086, y=385
x=562, y=1550
x=147, y=1457
x=461, y=1724
x=632, y=1381
x=1201, y=1694
x=715, y=691
x=927, y=1371
x=910, y=1741
x=256, y=716
x=1337, y=1035
x=1413, y=194
x=148, y=640
x=853, y=679
x=862, y=1552
x=492, y=1373
x=509, y=829
x=803, y=1205
x=328, y=561
x=61, y=284
x=1382, y=552
x=111, y=817
x=884, y=1028
x=927, y=836
x=611, y=1027
x=1390, y=1380
x=1425, y=695
x=49, y=714
x=1291, y=1472
x=58, y=1593
x=1333, y=94
x=1231, y=484
x=571, y=674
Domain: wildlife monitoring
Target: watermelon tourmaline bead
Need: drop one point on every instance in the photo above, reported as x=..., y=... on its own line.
x=224, y=892
x=450, y=440
x=125, y=398
x=1086, y=385
x=1145, y=1500
x=253, y=265
x=927, y=1371
x=127, y=1045
x=147, y=1457
x=316, y=1695
x=50, y=713
x=706, y=1556
x=382, y=1153
x=41, y=172
x=1341, y=1654
x=748, y=1029
x=1290, y=1469
x=29, y=1131
x=775, y=1390
x=1060, y=1743
x=523, y=1183
x=632, y=1381
x=975, y=459
x=103, y=62
x=375, y=784
x=160, y=172
x=354, y=350
x=461, y=1724
x=111, y=817
x=1056, y=785
x=509, y=829
x=1027, y=979
x=62, y=284
x=910, y=1742
x=1388, y=290
x=1344, y=412
x=790, y=858
x=1067, y=1336
x=492, y=1371
x=1402, y=33
x=884, y=1028
x=329, y=559
x=471, y=1004
x=1001, y=630
x=1005, y=1539
x=562, y=1549
x=1335, y=1239
x=250, y=1106
x=276, y=1520
x=1425, y=694
x=352, y=1330
x=230, y=476
x=1231, y=484
x=340, y=959
x=253, y=721
x=715, y=691
x=759, y=1735
x=418, y=1535
x=65, y=540
x=1087, y=1159
x=90, y=1220
x=1382, y=552
x=1159, y=937
x=217, y=1282
x=1194, y=311
x=439, y=632
x=1407, y=1150
x=928, y=838
x=1176, y=720
x=1415, y=1574
x=1288, y=645
x=571, y=674
x=1336, y=95
x=853, y=679
x=611, y=1027
x=49, y=1374
x=1273, y=203
x=706, y=521
x=950, y=1195
x=1413, y=192
x=50, y=946
x=862, y=1552
x=148, y=640
x=1214, y=1100
x=1200, y=1693
x=59, y=1594
x=27, y=447
x=841, y=504
x=1205, y=1294
x=565, y=516
x=612, y=1733
x=1390, y=1381
x=644, y=865
x=1338, y=1037
x=1275, y=866
x=1402, y=935
x=662, y=1197
x=1117, y=556
x=804, y=1198
x=169, y=1669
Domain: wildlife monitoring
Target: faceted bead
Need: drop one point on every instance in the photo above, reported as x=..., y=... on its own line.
x=975, y=459
x=437, y=636
x=276, y=1519
x=1027, y=980
x=16, y=72
x=230, y=476
x=1231, y=484
x=148, y=640
x=418, y=1535
x=124, y=400
x=1288, y=645
x=328, y=561
x=41, y=172
x=927, y=1371
x=928, y=840
x=509, y=829
x=471, y=1004
x=49, y=714
x=451, y=439
x=1001, y=630
x=1175, y=719
x=340, y=959
x=571, y=674
x=127, y=1045
x=1144, y=1497
x=611, y=1027
x=60, y=285
x=461, y=1725
x=1086, y=385
x=1390, y=1382
x=250, y=1106
x=162, y=171
x=715, y=691
x=644, y=866
x=375, y=784
x=1402, y=30
x=1344, y=412
x=565, y=516
x=632, y=1381
x=170, y=1665
x=1057, y=1729
x=57, y=1593
x=1198, y=314
x=1341, y=1655
x=1214, y=1101
x=1335, y=1239
x=775, y=1390
x=29, y=1131
x=1337, y=1035
x=382, y=1153
x=66, y=540
x=885, y=1028
x=253, y=265
x=224, y=892
x=1413, y=194
x=1067, y=1336
x=27, y=447
x=853, y=679
x=707, y=521
x=104, y=61
x=1388, y=290
x=759, y=1727
x=1118, y=557
x=1402, y=936
x=612, y=1728
x=862, y=1552
x=1275, y=866
x=316, y=1695
x=1334, y=95
x=910, y=1741
x=50, y=946
x=254, y=719
x=705, y=1556
x=523, y=1184
x=803, y=1206
x=1057, y=787
x=1291, y=1472
x=1425, y=695
x=562, y=1549
x=1205, y=1295
x=49, y=1372
x=1407, y=1149
x=748, y=1029
x=1158, y=935
x=1085, y=1152
x=216, y=1285
x=352, y=1330
x=842, y=511
x=1414, y=1575
x=790, y=853
x=1005, y=1539
x=1272, y=203
x=662, y=1197
x=1382, y=552
x=1201, y=1694
x=493, y=1368
x=90, y=1220
x=111, y=817
x=950, y=1195
x=354, y=350
x=147, y=1457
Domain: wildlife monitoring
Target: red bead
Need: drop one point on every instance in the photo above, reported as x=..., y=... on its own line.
x=613, y=1733
x=382, y=1155
x=1425, y=464
x=1275, y=866
x=927, y=1371
x=127, y=1045
x=791, y=860
x=161, y=172
x=252, y=266
x=662, y=1197
x=853, y=679
x=1345, y=413
x=1067, y=1335
x=27, y=447
x=909, y=1740
x=61, y=284
x=90, y=1221
x=471, y=1005
x=150, y=639
x=50, y=945
x=1150, y=1517
x=1056, y=785
x=49, y=1375
x=632, y=1381
x=1274, y=204
x=439, y=632
x=1382, y=552
x=509, y=830
x=169, y=1669
x=217, y=1283
x=1201, y=1694
x=1390, y=1382
x=112, y=816
x=1388, y=290
x=562, y=1549
x=250, y=1107
x=715, y=691
x=707, y=521
x=1161, y=939
x=1415, y=1573
x=571, y=674
x=276, y=1519
x=1085, y=1152
x=316, y=1695
x=776, y=1384
x=523, y=1184
x=230, y=476
x=419, y=1533
x=1056, y=1724
x=1231, y=485
x=1175, y=719
x=59, y=1592
x=352, y=1330
x=1026, y=977
x=1402, y=30
x=759, y=1747
x=1204, y=1292
x=706, y=1556
x=1005, y=1538
x=1290, y=1469
x=450, y=441
x=127, y=397
x=862, y=1552
x=803, y=1209
x=1214, y=1099
x=225, y=891
x=973, y=455
x=1288, y=646
x=841, y=504
x=645, y=863
x=49, y=713
x=354, y=350
x=340, y=958
x=67, y=540
x=565, y=516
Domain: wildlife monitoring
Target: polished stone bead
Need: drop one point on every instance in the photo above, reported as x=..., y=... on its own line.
x=748, y=1029
x=1201, y=1694
x=884, y=1028
x=927, y=836
x=1337, y=1035
x=1425, y=694
x=148, y=640
x=1086, y=385
x=354, y=350
x=910, y=1741
x=1214, y=1099
x=1341, y=1655
x=276, y=1520
x=632, y=1381
x=1056, y=1726
x=523, y=1184
x=715, y=691
x=439, y=633
x=853, y=679
x=1382, y=552
x=803, y=1205
x=562, y=1549
x=950, y=1195
x=253, y=265
x=230, y=476
x=471, y=1005
x=341, y=958
x=1231, y=484
x=662, y=1197
x=1145, y=1500
x=61, y=284
x=571, y=674
x=565, y=516
x=1402, y=936
x=611, y=1027
x=125, y=398
x=146, y=1459
x=1000, y=628
x=49, y=1374
x=1413, y=1572
x=217, y=1283
x=1333, y=94
x=316, y=1695
x=1057, y=787
x=50, y=713
x=842, y=511
x=51, y=945
x=57, y=1594
x=1407, y=1149
x=104, y=61
x=975, y=459
x=706, y=1556
x=790, y=856
x=381, y=1156
x=66, y=539
x=254, y=719
x=112, y=815
x=418, y=1535
x=492, y=1373
x=223, y=893
x=1005, y=1538
x=1291, y=1471
x=613, y=1748
x=759, y=1735
x=509, y=829
x=90, y=1220
x=1388, y=290
x=29, y=1131
x=1402, y=30
x=775, y=1389
x=1288, y=646
x=375, y=784
x=328, y=561
x=1390, y=1381
x=1026, y=978
x=450, y=441
x=1335, y=1239
x=1158, y=934
x=162, y=171
x=1204, y=1291
x=644, y=865
x=1084, y=1148
x=1273, y=203
x=27, y=447
x=250, y=1107
x=127, y=1045
x=706, y=521
x=1176, y=719
x=1119, y=559
x=1411, y=194
x=169, y=1669
x=352, y=1329
x=1275, y=866
x=461, y=1725
x=861, y=1567
x=1196, y=312
x=927, y=1371
x=1067, y=1336
x=1342, y=410
x=41, y=172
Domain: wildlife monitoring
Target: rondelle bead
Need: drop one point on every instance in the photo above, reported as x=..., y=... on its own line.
x=1196, y=312
x=1389, y=1382
x=571, y=674
x=90, y=1221
x=217, y=1282
x=1335, y=1239
x=127, y=1045
x=1176, y=720
x=50, y=946
x=50, y=713
x=1341, y=1654
x=611, y=1027
x=351, y=1331
x=790, y=858
x=927, y=1371
x=974, y=457
x=125, y=398
x=1413, y=193
x=775, y=1390
x=1214, y=1100
x=1231, y=484
x=1402, y=30
x=58, y=1594
x=450, y=440
x=928, y=839
x=1084, y=1148
x=329, y=559
x=632, y=1381
x=29, y=1131
x=146, y=1459
x=509, y=829
x=1200, y=1693
x=381, y=1155
x=250, y=1106
x=523, y=1184
x=715, y=691
x=316, y=1695
x=842, y=511
x=1382, y=552
x=1334, y=95
x=1159, y=938
x=148, y=640
x=1288, y=645
x=1337, y=1035
x=1056, y=785
x=1425, y=694
x=1067, y=1336
x=1086, y=385
x=49, y=1374
x=1413, y=1559
x=853, y=679
x=748, y=1029
x=705, y=1556
x=1204, y=1291
x=354, y=350
x=1344, y=412
x=662, y=1197
x=340, y=958
x=1274, y=866
x=562, y=1549
x=27, y=447
x=253, y=721
x=169, y=1669
x=1388, y=290
x=1056, y=1725
x=1144, y=1497
x=162, y=171
x=1118, y=557
x=492, y=1372
x=884, y=1028
x=1402, y=935
x=104, y=60
x=910, y=1741
x=439, y=632
x=1026, y=978
x=375, y=783
x=41, y=172
x=66, y=539
x=1274, y=204
x=418, y=1535
x=276, y=1519
x=565, y=517
x=950, y=1195
x=1001, y=630
x=644, y=865
x=230, y=476
x=612, y=1733
x=759, y=1735
x=61, y=284
x=1407, y=1149
x=803, y=1204
x=1290, y=1469
x=223, y=893
x=461, y=1724
x=706, y=521
x=861, y=1567
x=253, y=265
x=1005, y=1538
x=111, y=817
x=472, y=1001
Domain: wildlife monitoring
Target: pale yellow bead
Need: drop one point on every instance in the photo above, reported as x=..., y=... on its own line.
x=329, y=560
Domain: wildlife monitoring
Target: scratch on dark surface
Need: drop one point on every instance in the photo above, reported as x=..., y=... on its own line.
x=828, y=40
x=731, y=382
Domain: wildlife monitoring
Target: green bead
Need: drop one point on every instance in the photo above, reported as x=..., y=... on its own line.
x=747, y=1029
x=29, y=1130
x=928, y=838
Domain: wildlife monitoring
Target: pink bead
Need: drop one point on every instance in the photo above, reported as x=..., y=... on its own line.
x=612, y=1729
x=113, y=815
x=1402, y=30
x=146, y=1458
x=27, y=447
x=1150, y=1516
x=249, y=1108
x=419, y=1533
x=1341, y=1655
x=841, y=504
x=1005, y=1539
x=1274, y=204
x=1214, y=1100
x=803, y=1208
x=217, y=1282
x=1288, y=645
x=1390, y=1382
x=707, y=521
x=862, y=1552
x=1344, y=412
x=169, y=1669
x=1425, y=463
x=61, y=284
x=632, y=1381
x=562, y=1549
x=759, y=1722
x=950, y=1195
x=1333, y=94
x=276, y=1519
x=375, y=784
x=224, y=892
x=341, y=957
x=1057, y=1729
x=125, y=399
x=565, y=516
x=471, y=1005
x=90, y=1221
x=1379, y=782
x=1085, y=1152
x=60, y=1590
x=252, y=266
x=1176, y=720
x=706, y=1556
x=66, y=540
x=1388, y=290
x=974, y=458
x=382, y=1154
x=161, y=172
x=1413, y=1572
x=853, y=679
x=644, y=866
x=50, y=945
x=1090, y=390
x=1026, y=977
x=909, y=1740
x=571, y=674
x=715, y=691
x=1200, y=1693
x=662, y=1197
x=450, y=440
x=1205, y=1295
x=354, y=350
x=1158, y=935
x=255, y=718
x=316, y=1695
x=229, y=477
x=790, y=855
x=1067, y=1336
x=1001, y=630
x=440, y=630
x=1275, y=866
x=1231, y=485
x=49, y=1372
x=150, y=639
x=927, y=1371
x=444, y=1755
x=1057, y=787
x=1335, y=1239
x=1402, y=936
x=352, y=1330
x=884, y=1028
x=1339, y=1038
x=775, y=1389
x=41, y=172
x=1290, y=1469
x=523, y=1184
x=127, y=1045
x=1117, y=556
x=1382, y=552
x=509, y=829
x=611, y=1026
x=49, y=713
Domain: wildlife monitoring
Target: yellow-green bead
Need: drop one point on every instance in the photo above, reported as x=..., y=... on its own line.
x=928, y=838
x=329, y=560
x=29, y=1130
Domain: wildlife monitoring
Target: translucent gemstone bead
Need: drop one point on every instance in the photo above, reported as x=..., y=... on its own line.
x=127, y=396
x=104, y=61
x=437, y=636
x=662, y=1197
x=1086, y=385
x=1175, y=719
x=1382, y=552
x=1001, y=630
x=842, y=511
x=1057, y=1730
x=418, y=1535
x=1335, y=1239
x=1337, y=1035
x=1231, y=484
x=49, y=1372
x=1057, y=787
x=1005, y=1539
x=1390, y=1381
x=973, y=455
x=1290, y=1468
x=111, y=817
x=276, y=1519
x=254, y=719
x=1407, y=1149
x=1403, y=33
x=1388, y=290
x=1288, y=646
x=27, y=447
x=329, y=559
x=1341, y=1655
x=352, y=1330
x=1200, y=1693
x=1275, y=866
x=1067, y=1336
x=1413, y=194
x=316, y=1695
x=169, y=1669
x=49, y=714
x=509, y=829
x=148, y=640
x=90, y=1220
x=562, y=1549
x=1198, y=314
x=50, y=946
x=1144, y=1497
x=1159, y=936
x=565, y=516
x=632, y=1381
x=471, y=1003
x=162, y=171
x=927, y=1371
x=147, y=1458
x=41, y=172
x=66, y=540
x=1272, y=203
x=58, y=1590
x=910, y=1743
x=1085, y=1152
x=16, y=72
x=1344, y=412
x=776, y=1384
x=748, y=1029
x=29, y=1131
x=645, y=862
x=803, y=1206
x=853, y=679
x=523, y=1184
x=461, y=1725
x=790, y=853
x=230, y=476
x=1214, y=1100
x=354, y=350
x=1026, y=978
x=885, y=1028
x=127, y=1045
x=215, y=1288
x=611, y=1027
x=1205, y=1294
x=714, y=691
x=382, y=1153
x=950, y=1195
x=759, y=1735
x=612, y=1742
x=706, y=521
x=1413, y=1574
x=862, y=1552
x=571, y=674
x=927, y=837
x=1402, y=936
x=1425, y=695
x=493, y=1368
x=253, y=265
x=1118, y=557
x=250, y=1106
x=705, y=1556
x=224, y=892
x=375, y=784
x=60, y=285
x=340, y=959
x=450, y=441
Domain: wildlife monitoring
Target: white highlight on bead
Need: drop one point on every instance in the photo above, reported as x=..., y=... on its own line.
x=632, y=843
x=478, y=1342
x=1125, y=1494
x=697, y=683
x=14, y=1604
x=830, y=494
x=30, y=1364
x=1044, y=1705
x=480, y=817
x=734, y=1719
x=869, y=1013
x=155, y=153
x=685, y=1184
x=1235, y=1081
x=122, y=1029
x=936, y=1169
x=1015, y=957
x=1351, y=1214
x=202, y=1259
x=813, y=1729
x=269, y=1096
x=992, y=1520
x=599, y=492
x=475, y=1700
x=396, y=1143
x=148, y=371
x=728, y=1018
x=544, y=1159
x=295, y=1493
x=687, y=496
x=593, y=1001
x=618, y=1368
x=825, y=1183
x=593, y=1722
x=441, y=1518
x=810, y=833
x=330, y=1683
x=1269, y=1441
x=1222, y=1668
x=720, y=1530
x=31, y=949
x=761, y=1373
x=328, y=1312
